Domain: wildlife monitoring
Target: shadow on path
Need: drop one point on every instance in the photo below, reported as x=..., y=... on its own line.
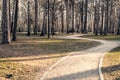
x=90, y=73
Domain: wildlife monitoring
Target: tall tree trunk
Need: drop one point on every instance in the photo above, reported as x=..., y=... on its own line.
x=77, y=20
x=72, y=5
x=5, y=22
x=62, y=21
x=13, y=12
x=111, y=13
x=43, y=32
x=29, y=20
x=48, y=18
x=106, y=17
x=15, y=21
x=118, y=29
x=102, y=19
x=97, y=17
x=36, y=18
x=86, y=10
x=62, y=17
x=67, y=15
x=82, y=16
x=9, y=14
x=53, y=18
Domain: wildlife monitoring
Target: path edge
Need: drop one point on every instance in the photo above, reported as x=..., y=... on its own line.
x=100, y=66
x=47, y=72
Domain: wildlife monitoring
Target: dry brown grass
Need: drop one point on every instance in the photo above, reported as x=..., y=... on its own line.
x=111, y=65
x=29, y=57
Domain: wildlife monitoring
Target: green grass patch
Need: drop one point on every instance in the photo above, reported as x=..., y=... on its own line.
x=108, y=37
x=111, y=64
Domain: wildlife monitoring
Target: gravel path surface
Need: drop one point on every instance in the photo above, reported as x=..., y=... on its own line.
x=81, y=65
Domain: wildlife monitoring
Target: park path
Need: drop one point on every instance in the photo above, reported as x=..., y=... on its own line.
x=82, y=65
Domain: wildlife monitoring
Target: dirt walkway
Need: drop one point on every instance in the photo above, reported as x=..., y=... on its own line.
x=81, y=65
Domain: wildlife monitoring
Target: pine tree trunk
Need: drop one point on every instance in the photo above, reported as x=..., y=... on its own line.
x=72, y=5
x=36, y=18
x=82, y=17
x=102, y=20
x=62, y=17
x=48, y=18
x=15, y=21
x=44, y=23
x=13, y=12
x=67, y=15
x=85, y=22
x=29, y=24
x=5, y=22
x=106, y=17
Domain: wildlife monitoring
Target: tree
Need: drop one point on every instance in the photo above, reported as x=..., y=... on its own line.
x=5, y=22
x=13, y=12
x=86, y=11
x=36, y=17
x=72, y=15
x=82, y=15
x=61, y=9
x=43, y=32
x=48, y=19
x=67, y=15
x=96, y=17
x=106, y=17
x=29, y=20
x=15, y=21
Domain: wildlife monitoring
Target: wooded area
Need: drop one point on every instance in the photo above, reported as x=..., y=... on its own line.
x=59, y=39
x=48, y=17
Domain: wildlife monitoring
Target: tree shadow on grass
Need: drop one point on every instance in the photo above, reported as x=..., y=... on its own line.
x=24, y=50
x=87, y=74
x=111, y=69
x=117, y=78
x=115, y=50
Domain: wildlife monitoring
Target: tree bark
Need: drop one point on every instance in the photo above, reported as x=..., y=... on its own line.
x=36, y=18
x=13, y=12
x=5, y=22
x=72, y=5
x=48, y=19
x=85, y=22
x=62, y=17
x=67, y=15
x=29, y=24
x=82, y=17
x=15, y=21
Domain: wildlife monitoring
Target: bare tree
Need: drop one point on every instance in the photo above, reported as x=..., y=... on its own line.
x=15, y=21
x=29, y=19
x=36, y=17
x=5, y=22
x=86, y=11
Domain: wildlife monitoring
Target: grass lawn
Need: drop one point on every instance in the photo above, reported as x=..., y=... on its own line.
x=29, y=57
x=108, y=37
x=111, y=65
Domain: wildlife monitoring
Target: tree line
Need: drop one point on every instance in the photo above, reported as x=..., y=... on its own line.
x=41, y=17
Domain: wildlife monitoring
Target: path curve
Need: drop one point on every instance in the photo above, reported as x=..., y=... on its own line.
x=82, y=65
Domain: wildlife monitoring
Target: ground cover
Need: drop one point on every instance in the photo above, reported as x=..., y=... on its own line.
x=111, y=65
x=29, y=57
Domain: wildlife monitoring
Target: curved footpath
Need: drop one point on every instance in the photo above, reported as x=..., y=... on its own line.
x=83, y=65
